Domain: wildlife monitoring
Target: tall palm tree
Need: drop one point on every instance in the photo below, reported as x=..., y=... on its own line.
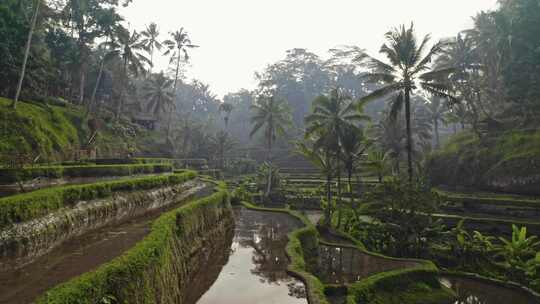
x=466, y=81
x=178, y=49
x=26, y=53
x=226, y=108
x=331, y=116
x=273, y=115
x=320, y=158
x=220, y=143
x=157, y=91
x=110, y=22
x=353, y=146
x=150, y=41
x=377, y=163
x=408, y=69
x=437, y=113
x=131, y=52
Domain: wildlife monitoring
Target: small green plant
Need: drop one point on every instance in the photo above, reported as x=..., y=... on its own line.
x=520, y=253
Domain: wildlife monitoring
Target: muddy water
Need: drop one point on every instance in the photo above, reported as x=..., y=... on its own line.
x=472, y=291
x=79, y=255
x=255, y=271
x=342, y=265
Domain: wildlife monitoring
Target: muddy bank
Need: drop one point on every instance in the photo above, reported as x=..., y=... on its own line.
x=24, y=242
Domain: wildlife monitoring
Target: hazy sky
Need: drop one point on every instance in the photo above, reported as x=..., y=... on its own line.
x=239, y=37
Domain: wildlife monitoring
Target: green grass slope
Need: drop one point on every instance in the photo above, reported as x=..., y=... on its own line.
x=507, y=162
x=55, y=131
x=39, y=129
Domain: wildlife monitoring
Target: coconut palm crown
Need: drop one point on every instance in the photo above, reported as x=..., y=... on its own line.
x=409, y=68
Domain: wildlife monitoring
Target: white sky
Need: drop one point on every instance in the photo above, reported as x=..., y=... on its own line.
x=239, y=37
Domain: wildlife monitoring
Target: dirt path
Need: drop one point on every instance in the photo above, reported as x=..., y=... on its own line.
x=77, y=256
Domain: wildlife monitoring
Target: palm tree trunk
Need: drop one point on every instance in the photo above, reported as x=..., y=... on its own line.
x=409, y=135
x=338, y=168
x=174, y=92
x=26, y=53
x=81, y=84
x=100, y=73
x=437, y=138
x=328, y=211
x=269, y=160
x=349, y=178
x=124, y=82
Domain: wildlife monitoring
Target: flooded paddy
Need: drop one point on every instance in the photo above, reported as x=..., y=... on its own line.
x=255, y=270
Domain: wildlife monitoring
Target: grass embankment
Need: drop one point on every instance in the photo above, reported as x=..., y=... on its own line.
x=23, y=207
x=40, y=129
x=492, y=199
x=54, y=132
x=508, y=162
x=153, y=270
x=9, y=175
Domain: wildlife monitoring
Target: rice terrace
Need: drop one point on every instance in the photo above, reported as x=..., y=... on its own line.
x=269, y=152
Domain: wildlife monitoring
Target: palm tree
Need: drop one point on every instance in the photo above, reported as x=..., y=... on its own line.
x=331, y=116
x=26, y=53
x=131, y=50
x=320, y=158
x=409, y=69
x=377, y=163
x=151, y=42
x=110, y=21
x=226, y=108
x=178, y=49
x=463, y=54
x=157, y=91
x=353, y=146
x=437, y=113
x=220, y=143
x=273, y=115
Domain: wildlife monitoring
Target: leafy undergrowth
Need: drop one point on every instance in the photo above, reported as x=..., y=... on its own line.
x=508, y=162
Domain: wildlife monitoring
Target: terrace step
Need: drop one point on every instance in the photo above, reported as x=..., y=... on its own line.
x=79, y=255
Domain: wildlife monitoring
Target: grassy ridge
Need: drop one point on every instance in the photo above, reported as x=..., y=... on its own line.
x=508, y=162
x=39, y=128
x=27, y=206
x=489, y=199
x=136, y=276
x=8, y=175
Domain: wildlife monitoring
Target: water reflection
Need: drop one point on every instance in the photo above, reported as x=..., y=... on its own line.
x=255, y=271
x=341, y=265
x=471, y=291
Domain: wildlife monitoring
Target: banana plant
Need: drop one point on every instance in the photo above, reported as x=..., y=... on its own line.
x=518, y=252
